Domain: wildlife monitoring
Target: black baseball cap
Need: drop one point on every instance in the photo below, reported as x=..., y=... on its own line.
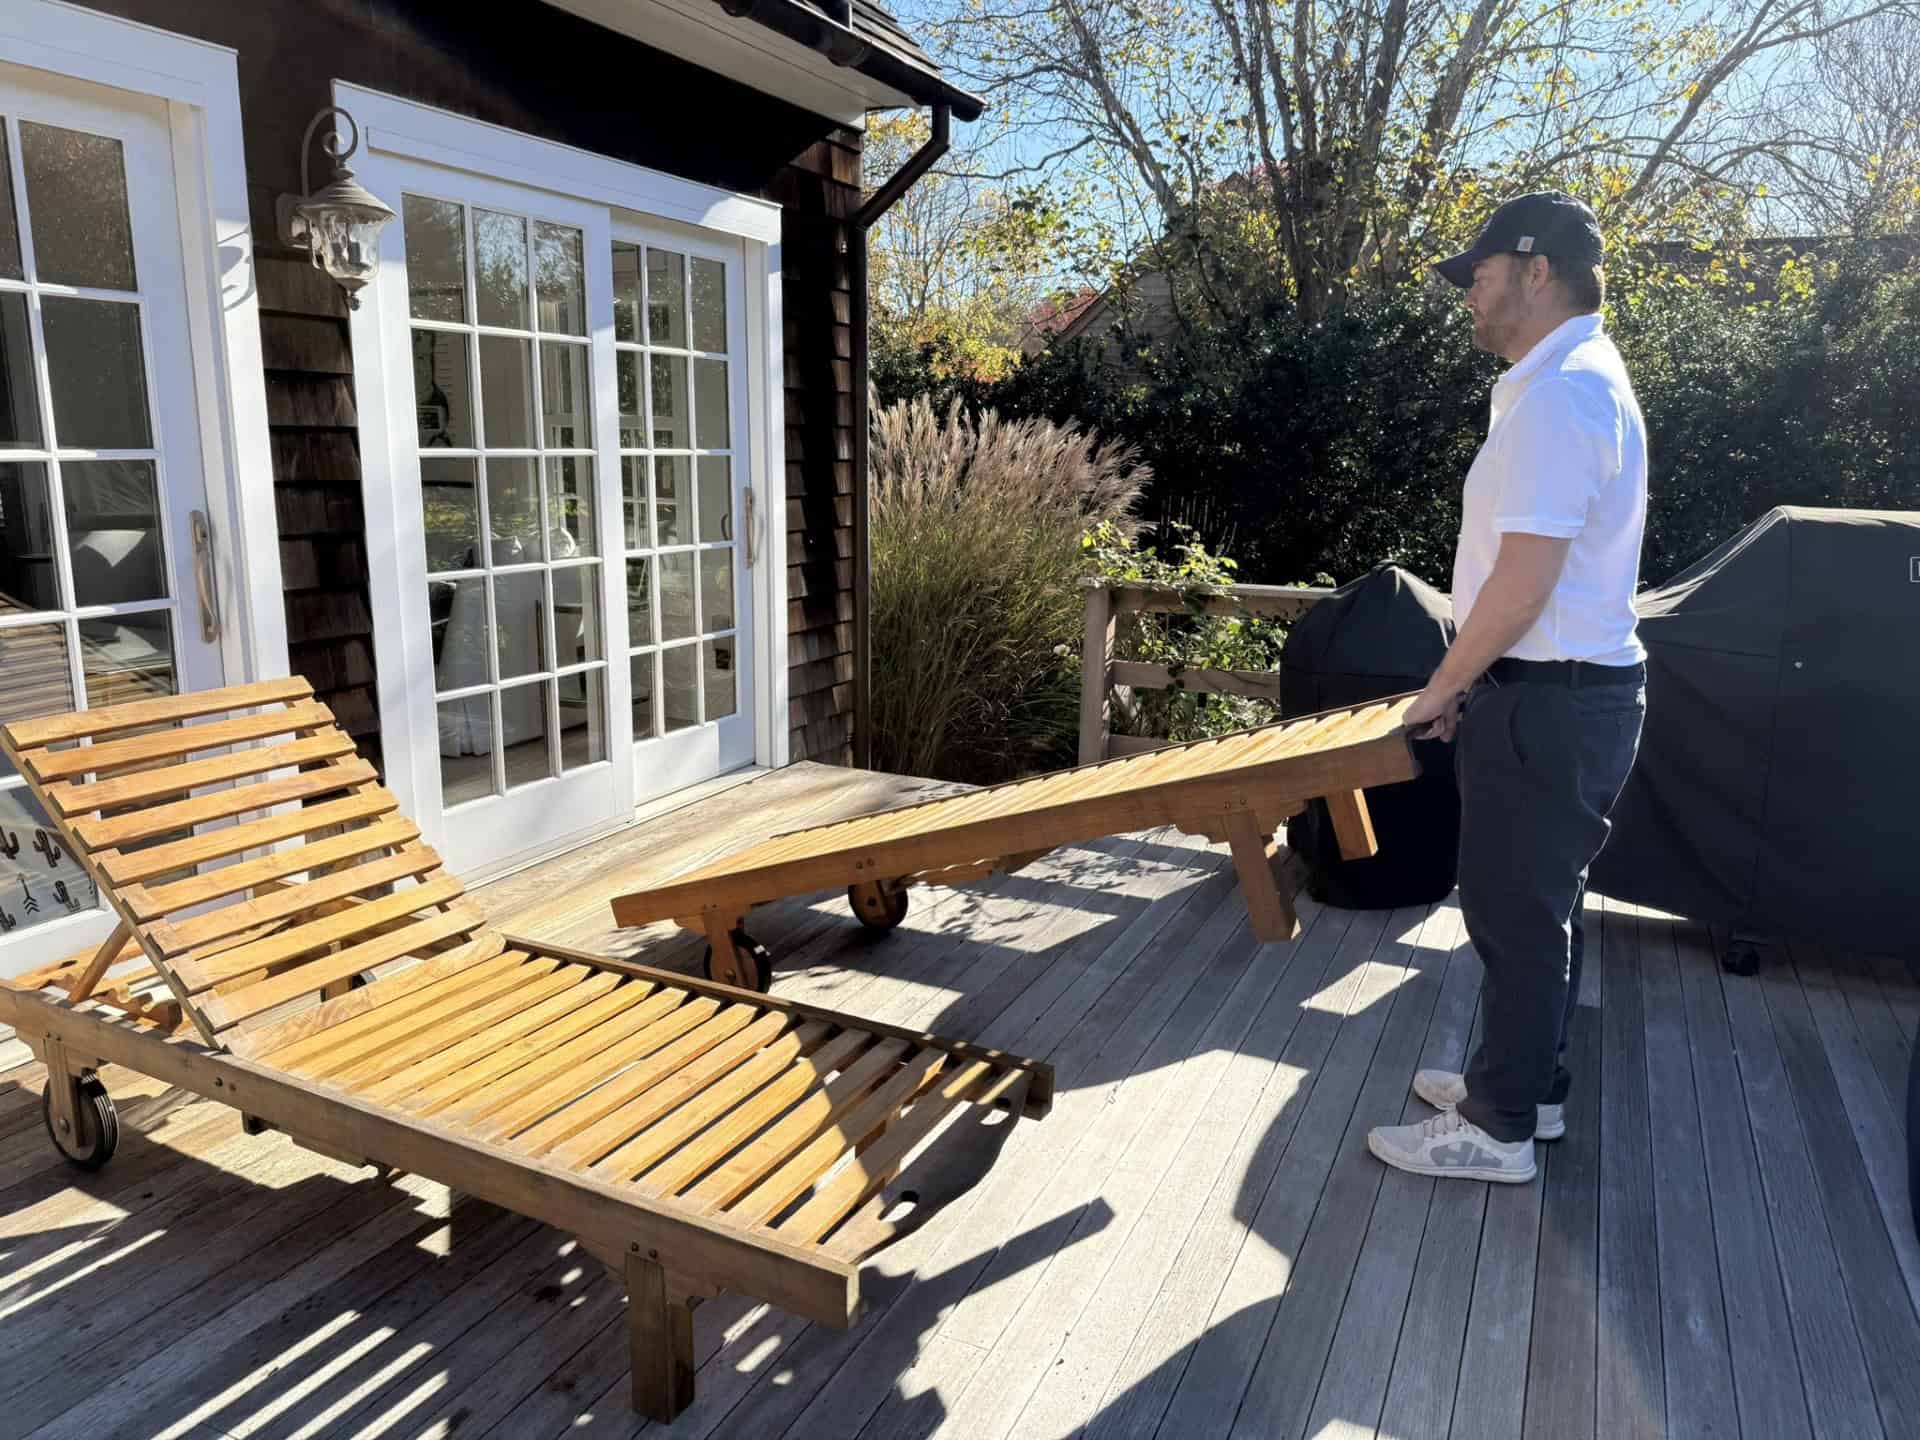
x=1547, y=222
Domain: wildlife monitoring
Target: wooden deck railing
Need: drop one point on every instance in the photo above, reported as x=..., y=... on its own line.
x=1100, y=672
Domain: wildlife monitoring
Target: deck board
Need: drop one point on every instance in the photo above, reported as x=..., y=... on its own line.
x=1195, y=1243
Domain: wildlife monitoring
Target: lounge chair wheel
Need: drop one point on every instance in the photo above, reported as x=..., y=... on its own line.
x=1742, y=958
x=756, y=957
x=876, y=906
x=98, y=1123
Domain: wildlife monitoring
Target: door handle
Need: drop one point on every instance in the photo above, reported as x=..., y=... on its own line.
x=203, y=576
x=752, y=530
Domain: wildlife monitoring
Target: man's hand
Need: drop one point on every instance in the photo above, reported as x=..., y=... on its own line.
x=1434, y=715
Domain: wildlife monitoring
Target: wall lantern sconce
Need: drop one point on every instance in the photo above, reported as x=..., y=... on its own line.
x=340, y=225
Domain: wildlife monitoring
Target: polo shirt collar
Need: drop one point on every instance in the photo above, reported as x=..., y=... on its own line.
x=1556, y=342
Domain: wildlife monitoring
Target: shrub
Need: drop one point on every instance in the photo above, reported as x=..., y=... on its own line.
x=977, y=609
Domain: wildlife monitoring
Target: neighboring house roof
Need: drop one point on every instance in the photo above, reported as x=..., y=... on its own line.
x=863, y=36
x=1047, y=320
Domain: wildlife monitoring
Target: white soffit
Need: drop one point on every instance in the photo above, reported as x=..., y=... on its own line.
x=744, y=50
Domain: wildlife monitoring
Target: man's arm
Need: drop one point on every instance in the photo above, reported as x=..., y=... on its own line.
x=1524, y=574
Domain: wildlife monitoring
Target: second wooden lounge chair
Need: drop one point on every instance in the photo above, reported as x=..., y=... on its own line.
x=318, y=970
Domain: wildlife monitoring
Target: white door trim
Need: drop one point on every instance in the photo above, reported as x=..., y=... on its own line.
x=201, y=85
x=404, y=136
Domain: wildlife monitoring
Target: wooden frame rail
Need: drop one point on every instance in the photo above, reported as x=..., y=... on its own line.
x=1100, y=672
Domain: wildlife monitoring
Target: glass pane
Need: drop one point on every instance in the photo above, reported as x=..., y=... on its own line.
x=126, y=657
x=709, y=305
x=633, y=502
x=639, y=602
x=99, y=379
x=626, y=292
x=436, y=258
x=716, y=590
x=442, y=390
x=583, y=719
x=722, y=695
x=523, y=725
x=457, y=611
x=667, y=403
x=500, y=270
x=560, y=275
x=520, y=617
x=666, y=299
x=716, y=497
x=676, y=596
x=565, y=396
x=77, y=195
x=680, y=700
x=19, y=402
x=710, y=404
x=29, y=576
x=641, y=667
x=506, y=393
x=113, y=531
x=9, y=225
x=38, y=882
x=466, y=749
x=576, y=614
x=513, y=512
x=633, y=433
x=450, y=498
x=671, y=494
x=570, y=507
x=34, y=677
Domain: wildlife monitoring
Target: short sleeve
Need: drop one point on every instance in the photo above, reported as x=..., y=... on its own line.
x=1560, y=446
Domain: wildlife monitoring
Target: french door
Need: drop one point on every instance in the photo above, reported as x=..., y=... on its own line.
x=569, y=536
x=105, y=575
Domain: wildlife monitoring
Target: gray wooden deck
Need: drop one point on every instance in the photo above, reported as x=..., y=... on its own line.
x=1196, y=1243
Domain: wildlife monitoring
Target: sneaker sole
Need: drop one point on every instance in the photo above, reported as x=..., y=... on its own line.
x=1454, y=1172
x=1540, y=1132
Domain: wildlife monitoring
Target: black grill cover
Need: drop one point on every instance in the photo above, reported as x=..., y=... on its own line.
x=1778, y=788
x=1380, y=635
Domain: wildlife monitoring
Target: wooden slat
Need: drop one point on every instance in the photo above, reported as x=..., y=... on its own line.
x=70, y=798
x=1279, y=602
x=118, y=868
x=700, y=1029
x=28, y=734
x=838, y=1198
x=103, y=960
x=184, y=740
x=199, y=974
x=98, y=833
x=786, y=1184
x=177, y=937
x=786, y=1057
x=1252, y=684
x=667, y=1091
x=811, y=1117
x=232, y=879
x=225, y=1011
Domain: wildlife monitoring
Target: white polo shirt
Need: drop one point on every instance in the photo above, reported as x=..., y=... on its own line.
x=1565, y=456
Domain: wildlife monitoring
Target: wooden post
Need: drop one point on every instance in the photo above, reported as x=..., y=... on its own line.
x=102, y=961
x=1352, y=825
x=1096, y=687
x=1269, y=913
x=63, y=1093
x=660, y=1334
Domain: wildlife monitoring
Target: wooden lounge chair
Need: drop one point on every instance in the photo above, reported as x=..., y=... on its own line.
x=322, y=974
x=1235, y=790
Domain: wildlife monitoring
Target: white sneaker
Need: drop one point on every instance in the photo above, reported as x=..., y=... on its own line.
x=1444, y=1090
x=1454, y=1149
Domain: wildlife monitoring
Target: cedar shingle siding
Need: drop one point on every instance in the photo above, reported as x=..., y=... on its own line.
x=533, y=69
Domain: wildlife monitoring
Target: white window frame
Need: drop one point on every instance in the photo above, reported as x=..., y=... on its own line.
x=407, y=131
x=200, y=84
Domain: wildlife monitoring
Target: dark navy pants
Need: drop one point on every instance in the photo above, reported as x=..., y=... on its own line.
x=1540, y=766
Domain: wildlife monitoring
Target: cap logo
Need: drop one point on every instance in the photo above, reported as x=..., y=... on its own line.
x=1525, y=247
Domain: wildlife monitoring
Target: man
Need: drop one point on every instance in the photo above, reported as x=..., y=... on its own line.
x=1550, y=668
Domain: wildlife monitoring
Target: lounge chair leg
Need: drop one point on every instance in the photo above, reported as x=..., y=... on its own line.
x=1268, y=910
x=660, y=1328
x=1352, y=825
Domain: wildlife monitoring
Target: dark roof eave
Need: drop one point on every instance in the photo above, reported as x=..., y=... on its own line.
x=863, y=52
